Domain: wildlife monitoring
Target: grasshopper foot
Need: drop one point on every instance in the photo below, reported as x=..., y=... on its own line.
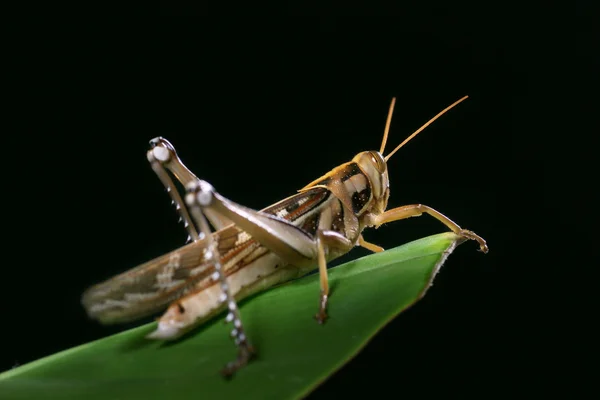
x=473, y=236
x=245, y=355
x=322, y=316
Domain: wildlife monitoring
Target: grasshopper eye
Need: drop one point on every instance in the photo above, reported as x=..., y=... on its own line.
x=378, y=161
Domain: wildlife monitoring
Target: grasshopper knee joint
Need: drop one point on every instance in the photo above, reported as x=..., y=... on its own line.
x=200, y=193
x=160, y=150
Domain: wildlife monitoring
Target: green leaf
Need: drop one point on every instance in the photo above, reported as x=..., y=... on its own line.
x=295, y=353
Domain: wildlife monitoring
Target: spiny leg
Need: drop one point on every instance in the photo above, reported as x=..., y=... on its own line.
x=163, y=157
x=415, y=210
x=246, y=352
x=327, y=240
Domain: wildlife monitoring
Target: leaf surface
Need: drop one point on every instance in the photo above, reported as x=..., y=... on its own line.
x=295, y=353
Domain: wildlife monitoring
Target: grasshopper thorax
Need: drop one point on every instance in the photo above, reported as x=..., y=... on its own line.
x=362, y=184
x=373, y=165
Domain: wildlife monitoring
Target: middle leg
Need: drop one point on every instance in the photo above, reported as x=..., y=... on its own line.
x=326, y=241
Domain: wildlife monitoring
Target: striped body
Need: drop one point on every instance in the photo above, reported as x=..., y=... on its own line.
x=185, y=280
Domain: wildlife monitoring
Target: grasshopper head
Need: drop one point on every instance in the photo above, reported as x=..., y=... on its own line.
x=373, y=165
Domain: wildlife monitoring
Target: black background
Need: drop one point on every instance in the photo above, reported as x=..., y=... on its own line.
x=259, y=110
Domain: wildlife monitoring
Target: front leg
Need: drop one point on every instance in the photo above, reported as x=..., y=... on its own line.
x=369, y=246
x=415, y=210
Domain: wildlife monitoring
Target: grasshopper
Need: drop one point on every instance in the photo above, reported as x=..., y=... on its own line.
x=250, y=250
